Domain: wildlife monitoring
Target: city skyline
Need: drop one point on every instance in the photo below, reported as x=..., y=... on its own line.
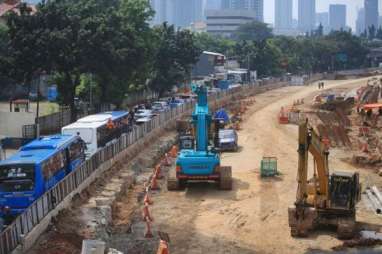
x=321, y=6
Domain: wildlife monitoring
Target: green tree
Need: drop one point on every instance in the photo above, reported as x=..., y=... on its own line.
x=379, y=33
x=67, y=38
x=255, y=31
x=175, y=52
x=208, y=42
x=24, y=55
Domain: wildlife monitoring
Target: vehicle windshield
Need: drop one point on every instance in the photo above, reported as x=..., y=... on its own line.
x=17, y=177
x=157, y=105
x=143, y=111
x=226, y=134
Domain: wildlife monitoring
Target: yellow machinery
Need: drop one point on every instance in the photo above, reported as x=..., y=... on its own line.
x=325, y=199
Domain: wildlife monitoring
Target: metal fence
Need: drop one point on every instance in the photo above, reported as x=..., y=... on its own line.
x=53, y=123
x=13, y=235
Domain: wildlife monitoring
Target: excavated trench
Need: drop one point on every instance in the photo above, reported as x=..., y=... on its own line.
x=107, y=209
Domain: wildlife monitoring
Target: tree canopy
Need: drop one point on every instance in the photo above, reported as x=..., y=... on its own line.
x=254, y=31
x=109, y=41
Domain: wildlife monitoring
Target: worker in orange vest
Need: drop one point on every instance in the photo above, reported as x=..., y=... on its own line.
x=110, y=125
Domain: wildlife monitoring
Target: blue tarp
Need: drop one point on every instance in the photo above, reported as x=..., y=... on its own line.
x=224, y=84
x=222, y=114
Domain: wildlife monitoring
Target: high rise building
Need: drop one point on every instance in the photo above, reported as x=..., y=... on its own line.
x=256, y=5
x=322, y=18
x=226, y=22
x=337, y=16
x=371, y=13
x=213, y=4
x=306, y=15
x=360, y=22
x=283, y=14
x=163, y=11
x=178, y=12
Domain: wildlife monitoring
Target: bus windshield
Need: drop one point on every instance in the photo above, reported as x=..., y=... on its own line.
x=17, y=177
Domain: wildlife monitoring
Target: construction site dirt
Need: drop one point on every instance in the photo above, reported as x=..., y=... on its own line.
x=253, y=217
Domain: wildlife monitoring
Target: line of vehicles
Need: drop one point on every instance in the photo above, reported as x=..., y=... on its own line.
x=44, y=162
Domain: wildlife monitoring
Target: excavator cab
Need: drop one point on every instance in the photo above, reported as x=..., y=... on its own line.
x=344, y=190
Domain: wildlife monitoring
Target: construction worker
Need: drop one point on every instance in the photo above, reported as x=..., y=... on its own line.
x=110, y=125
x=369, y=113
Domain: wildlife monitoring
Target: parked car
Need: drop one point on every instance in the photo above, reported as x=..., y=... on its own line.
x=176, y=102
x=228, y=140
x=142, y=113
x=159, y=106
x=143, y=120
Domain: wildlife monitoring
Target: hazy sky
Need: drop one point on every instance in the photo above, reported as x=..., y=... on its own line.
x=321, y=6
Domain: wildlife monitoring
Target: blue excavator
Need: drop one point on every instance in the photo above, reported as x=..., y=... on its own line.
x=199, y=160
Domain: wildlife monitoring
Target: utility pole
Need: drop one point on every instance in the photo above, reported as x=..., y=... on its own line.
x=37, y=121
x=91, y=93
x=248, y=66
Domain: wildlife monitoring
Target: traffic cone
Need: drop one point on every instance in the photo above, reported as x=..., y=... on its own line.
x=365, y=148
x=166, y=161
x=147, y=199
x=154, y=183
x=157, y=172
x=146, y=213
x=163, y=247
x=148, y=233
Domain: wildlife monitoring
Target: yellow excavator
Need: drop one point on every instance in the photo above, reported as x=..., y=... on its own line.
x=324, y=199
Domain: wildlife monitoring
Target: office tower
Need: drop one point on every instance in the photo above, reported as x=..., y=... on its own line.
x=360, y=22
x=322, y=18
x=337, y=16
x=256, y=5
x=306, y=15
x=371, y=13
x=213, y=4
x=283, y=14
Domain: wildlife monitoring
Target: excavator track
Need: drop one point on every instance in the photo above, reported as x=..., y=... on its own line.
x=172, y=181
x=225, y=181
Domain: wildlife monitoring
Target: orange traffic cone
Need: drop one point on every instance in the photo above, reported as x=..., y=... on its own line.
x=148, y=233
x=166, y=160
x=154, y=184
x=365, y=148
x=146, y=213
x=163, y=247
x=157, y=172
x=147, y=199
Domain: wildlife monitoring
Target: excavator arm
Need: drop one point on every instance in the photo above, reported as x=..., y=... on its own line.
x=320, y=155
x=310, y=142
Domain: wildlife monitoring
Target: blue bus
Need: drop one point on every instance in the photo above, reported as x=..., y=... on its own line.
x=36, y=168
